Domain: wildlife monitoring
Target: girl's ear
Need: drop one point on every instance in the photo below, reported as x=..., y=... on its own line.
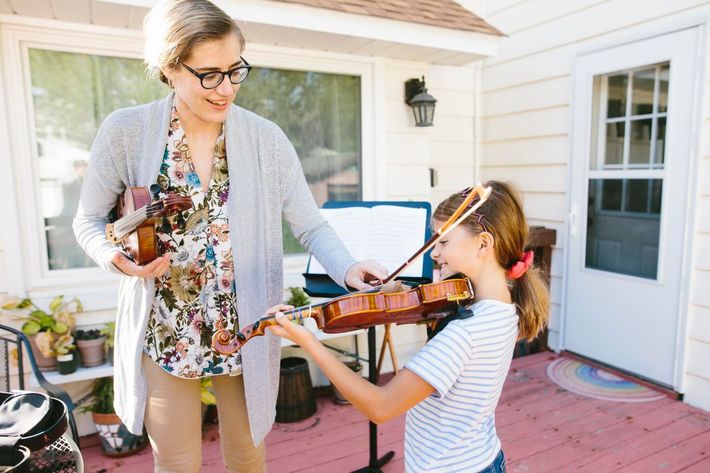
x=485, y=242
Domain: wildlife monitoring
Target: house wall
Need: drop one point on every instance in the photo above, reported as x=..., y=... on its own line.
x=399, y=170
x=527, y=100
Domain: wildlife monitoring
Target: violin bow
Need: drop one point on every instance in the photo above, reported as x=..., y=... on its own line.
x=457, y=217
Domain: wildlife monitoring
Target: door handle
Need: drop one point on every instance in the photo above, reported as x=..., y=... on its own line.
x=572, y=218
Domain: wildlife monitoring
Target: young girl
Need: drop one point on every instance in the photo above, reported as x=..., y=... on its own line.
x=452, y=386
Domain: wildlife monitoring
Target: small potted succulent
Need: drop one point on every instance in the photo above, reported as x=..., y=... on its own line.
x=49, y=332
x=108, y=331
x=116, y=440
x=91, y=347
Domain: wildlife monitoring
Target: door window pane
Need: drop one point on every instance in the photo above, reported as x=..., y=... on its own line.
x=320, y=113
x=626, y=241
x=615, y=143
x=643, y=86
x=72, y=94
x=640, y=150
x=661, y=140
x=663, y=88
x=616, y=99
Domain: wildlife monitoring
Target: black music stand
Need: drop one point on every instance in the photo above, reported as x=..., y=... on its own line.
x=321, y=285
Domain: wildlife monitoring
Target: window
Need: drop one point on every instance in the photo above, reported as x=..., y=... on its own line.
x=320, y=113
x=72, y=93
x=626, y=170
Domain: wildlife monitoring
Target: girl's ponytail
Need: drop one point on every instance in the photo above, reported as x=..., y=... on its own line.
x=531, y=295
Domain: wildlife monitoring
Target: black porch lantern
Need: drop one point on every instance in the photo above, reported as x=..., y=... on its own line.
x=423, y=104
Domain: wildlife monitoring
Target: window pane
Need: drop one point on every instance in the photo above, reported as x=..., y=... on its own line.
x=611, y=194
x=636, y=195
x=663, y=89
x=614, y=143
x=642, y=94
x=72, y=94
x=640, y=150
x=661, y=140
x=622, y=242
x=616, y=100
x=320, y=113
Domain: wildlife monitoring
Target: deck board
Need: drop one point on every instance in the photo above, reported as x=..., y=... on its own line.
x=543, y=429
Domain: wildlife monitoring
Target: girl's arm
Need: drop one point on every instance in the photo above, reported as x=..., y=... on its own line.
x=378, y=403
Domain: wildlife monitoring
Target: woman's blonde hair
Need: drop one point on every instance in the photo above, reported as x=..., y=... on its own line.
x=502, y=216
x=173, y=27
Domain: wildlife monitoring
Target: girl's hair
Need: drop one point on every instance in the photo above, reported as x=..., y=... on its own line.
x=502, y=216
x=173, y=27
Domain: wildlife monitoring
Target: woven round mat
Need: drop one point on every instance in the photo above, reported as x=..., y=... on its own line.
x=586, y=380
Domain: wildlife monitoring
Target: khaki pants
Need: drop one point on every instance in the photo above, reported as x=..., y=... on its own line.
x=174, y=424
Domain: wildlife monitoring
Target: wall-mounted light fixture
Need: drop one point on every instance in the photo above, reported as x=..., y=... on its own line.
x=423, y=104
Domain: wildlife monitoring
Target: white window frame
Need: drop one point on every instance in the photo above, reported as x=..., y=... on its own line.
x=25, y=249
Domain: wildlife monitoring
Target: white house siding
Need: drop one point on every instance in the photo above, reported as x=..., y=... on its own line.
x=527, y=97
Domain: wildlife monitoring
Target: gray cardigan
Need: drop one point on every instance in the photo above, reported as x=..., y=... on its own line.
x=266, y=182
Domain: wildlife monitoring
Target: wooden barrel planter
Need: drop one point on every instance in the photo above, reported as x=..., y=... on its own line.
x=296, y=400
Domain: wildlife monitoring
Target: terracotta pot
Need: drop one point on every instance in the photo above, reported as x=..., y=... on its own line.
x=116, y=440
x=44, y=363
x=92, y=351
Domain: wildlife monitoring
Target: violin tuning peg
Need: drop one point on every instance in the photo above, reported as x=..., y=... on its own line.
x=155, y=191
x=241, y=337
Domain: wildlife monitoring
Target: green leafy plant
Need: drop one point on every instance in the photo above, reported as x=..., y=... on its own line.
x=101, y=401
x=53, y=328
x=108, y=331
x=298, y=297
x=92, y=334
x=206, y=395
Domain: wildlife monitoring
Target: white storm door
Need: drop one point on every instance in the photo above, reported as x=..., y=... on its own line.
x=632, y=129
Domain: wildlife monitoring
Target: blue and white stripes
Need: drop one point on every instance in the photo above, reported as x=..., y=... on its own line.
x=454, y=429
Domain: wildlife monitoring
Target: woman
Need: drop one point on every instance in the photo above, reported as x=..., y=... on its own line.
x=222, y=261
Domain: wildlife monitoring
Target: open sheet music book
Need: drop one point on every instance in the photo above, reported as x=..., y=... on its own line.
x=389, y=234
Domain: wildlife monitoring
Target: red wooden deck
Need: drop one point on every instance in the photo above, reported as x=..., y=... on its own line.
x=543, y=429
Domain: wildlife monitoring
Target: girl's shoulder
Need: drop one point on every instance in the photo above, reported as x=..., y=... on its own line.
x=489, y=312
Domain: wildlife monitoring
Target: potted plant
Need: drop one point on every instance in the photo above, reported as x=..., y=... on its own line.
x=298, y=297
x=46, y=331
x=109, y=331
x=338, y=397
x=116, y=440
x=67, y=357
x=209, y=402
x=91, y=347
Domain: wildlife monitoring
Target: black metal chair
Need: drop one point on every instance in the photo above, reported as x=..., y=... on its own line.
x=9, y=338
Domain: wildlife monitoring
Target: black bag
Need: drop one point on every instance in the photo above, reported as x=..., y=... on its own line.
x=29, y=421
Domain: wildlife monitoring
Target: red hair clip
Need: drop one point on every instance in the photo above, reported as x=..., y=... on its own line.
x=519, y=268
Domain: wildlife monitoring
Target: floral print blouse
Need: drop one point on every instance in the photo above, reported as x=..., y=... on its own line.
x=197, y=296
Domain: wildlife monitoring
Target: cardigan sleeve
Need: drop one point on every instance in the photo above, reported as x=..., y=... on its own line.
x=103, y=183
x=307, y=224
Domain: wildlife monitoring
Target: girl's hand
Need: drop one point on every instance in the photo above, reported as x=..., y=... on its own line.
x=154, y=269
x=298, y=334
x=364, y=274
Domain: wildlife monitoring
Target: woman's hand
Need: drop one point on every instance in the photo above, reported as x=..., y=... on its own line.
x=154, y=269
x=364, y=274
x=298, y=334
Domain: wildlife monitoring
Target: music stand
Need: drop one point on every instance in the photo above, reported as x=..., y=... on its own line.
x=321, y=285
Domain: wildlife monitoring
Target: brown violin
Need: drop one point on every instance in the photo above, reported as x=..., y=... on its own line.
x=136, y=212
x=423, y=303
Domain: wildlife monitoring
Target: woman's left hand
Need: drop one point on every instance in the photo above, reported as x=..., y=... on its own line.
x=365, y=274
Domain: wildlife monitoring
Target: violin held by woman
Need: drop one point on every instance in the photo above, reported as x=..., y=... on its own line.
x=137, y=211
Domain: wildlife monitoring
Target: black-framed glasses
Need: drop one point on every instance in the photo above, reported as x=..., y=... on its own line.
x=212, y=79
